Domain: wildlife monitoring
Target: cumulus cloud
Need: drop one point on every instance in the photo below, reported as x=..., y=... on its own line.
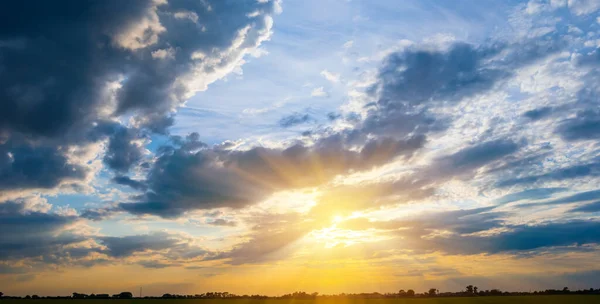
x=86, y=63
x=28, y=166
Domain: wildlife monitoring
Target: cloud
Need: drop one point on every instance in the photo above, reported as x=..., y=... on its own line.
x=470, y=158
x=583, y=7
x=332, y=77
x=294, y=120
x=592, y=207
x=319, y=92
x=222, y=222
x=518, y=239
x=156, y=264
x=268, y=240
x=34, y=234
x=123, y=151
x=465, y=233
x=125, y=180
x=348, y=44
x=560, y=174
x=189, y=176
x=97, y=214
x=455, y=221
x=129, y=245
x=531, y=194
x=410, y=85
x=87, y=63
x=538, y=114
x=28, y=166
x=414, y=83
x=584, y=126
x=579, y=197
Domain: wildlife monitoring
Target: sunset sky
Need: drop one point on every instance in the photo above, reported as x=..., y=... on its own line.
x=267, y=147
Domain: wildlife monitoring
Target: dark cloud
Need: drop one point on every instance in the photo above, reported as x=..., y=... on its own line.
x=584, y=126
x=473, y=157
x=222, y=222
x=188, y=176
x=127, y=181
x=571, y=172
x=97, y=214
x=129, y=245
x=518, y=239
x=538, y=114
x=414, y=81
x=421, y=233
x=588, y=208
x=26, y=166
x=579, y=197
x=174, y=249
x=531, y=194
x=28, y=234
x=74, y=65
x=294, y=120
x=332, y=116
x=583, y=117
x=123, y=152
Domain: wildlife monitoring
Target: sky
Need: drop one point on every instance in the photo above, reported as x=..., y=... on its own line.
x=267, y=147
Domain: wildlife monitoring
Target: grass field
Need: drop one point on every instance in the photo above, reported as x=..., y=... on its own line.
x=575, y=299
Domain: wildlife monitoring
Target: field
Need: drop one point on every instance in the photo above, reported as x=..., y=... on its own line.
x=571, y=299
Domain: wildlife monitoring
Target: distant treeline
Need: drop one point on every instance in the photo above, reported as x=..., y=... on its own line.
x=470, y=291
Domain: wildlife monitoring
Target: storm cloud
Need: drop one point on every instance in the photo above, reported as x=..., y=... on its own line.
x=75, y=65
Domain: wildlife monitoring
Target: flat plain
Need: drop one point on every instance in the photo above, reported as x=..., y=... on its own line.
x=555, y=299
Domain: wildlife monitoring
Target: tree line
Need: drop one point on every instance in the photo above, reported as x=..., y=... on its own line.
x=469, y=291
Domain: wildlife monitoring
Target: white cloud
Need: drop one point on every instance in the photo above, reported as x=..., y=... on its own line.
x=186, y=15
x=584, y=7
x=164, y=54
x=333, y=77
x=319, y=92
x=348, y=44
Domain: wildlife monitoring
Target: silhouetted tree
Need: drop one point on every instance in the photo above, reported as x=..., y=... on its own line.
x=565, y=289
x=79, y=295
x=27, y=297
x=402, y=293
x=125, y=295
x=469, y=289
x=432, y=292
x=1, y=294
x=475, y=288
x=410, y=293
